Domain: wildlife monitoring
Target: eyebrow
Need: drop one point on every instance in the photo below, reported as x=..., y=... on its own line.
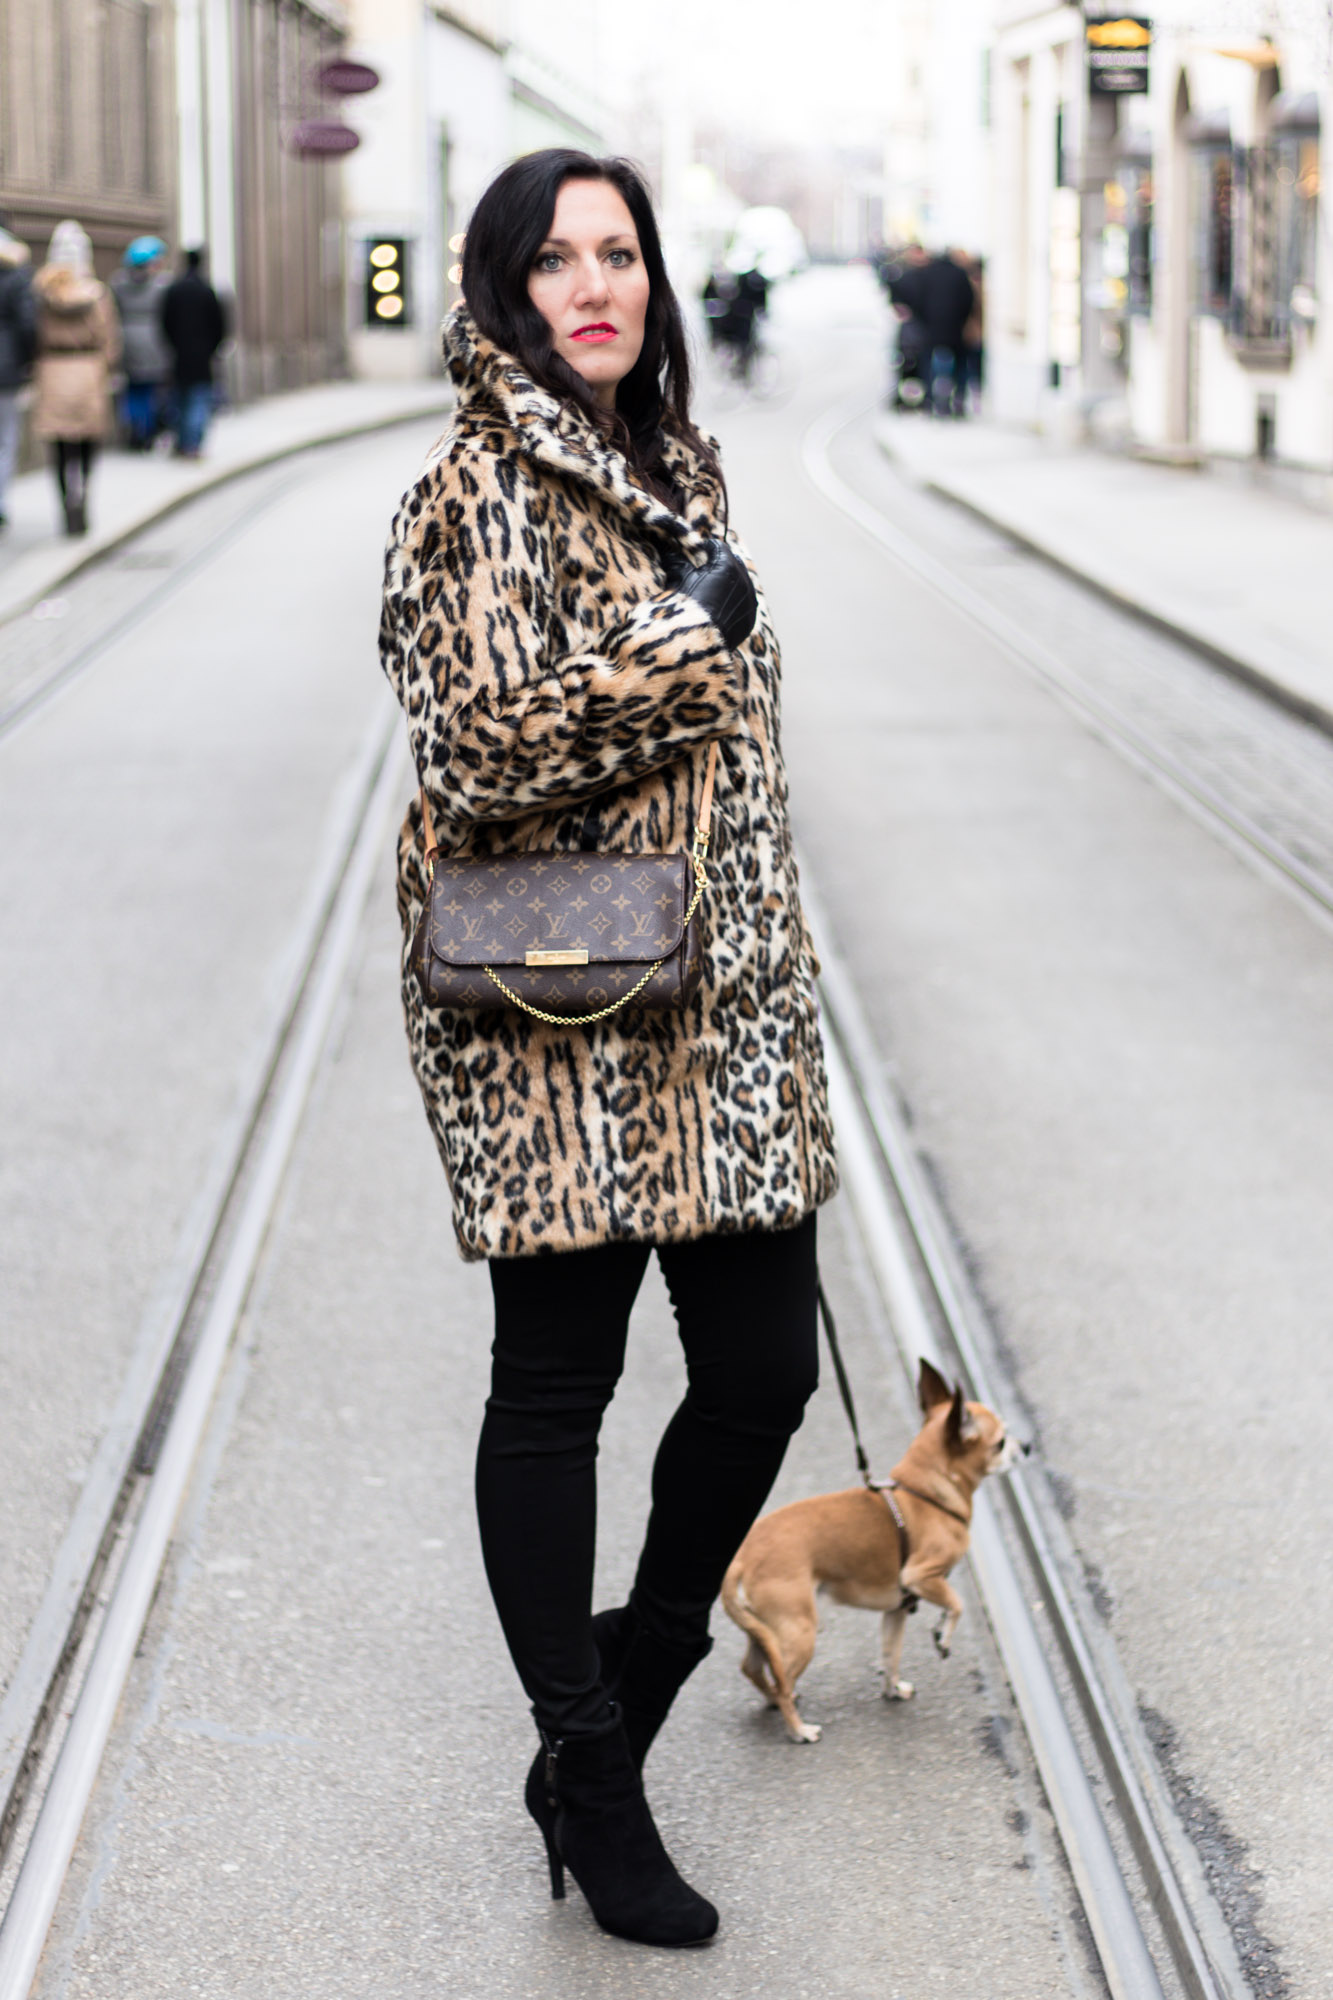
x=563, y=242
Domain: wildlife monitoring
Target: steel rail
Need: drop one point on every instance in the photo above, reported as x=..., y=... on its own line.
x=908, y=1234
x=30, y=701
x=1243, y=834
x=905, y=1235
x=42, y=1872
x=31, y=1703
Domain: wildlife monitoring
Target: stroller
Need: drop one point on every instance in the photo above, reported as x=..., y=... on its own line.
x=909, y=366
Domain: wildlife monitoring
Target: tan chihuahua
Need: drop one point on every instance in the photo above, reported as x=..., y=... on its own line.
x=879, y=1549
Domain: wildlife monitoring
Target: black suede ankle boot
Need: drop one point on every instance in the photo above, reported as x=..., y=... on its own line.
x=642, y=1672
x=586, y=1796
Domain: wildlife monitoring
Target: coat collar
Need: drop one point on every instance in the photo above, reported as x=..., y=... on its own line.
x=563, y=438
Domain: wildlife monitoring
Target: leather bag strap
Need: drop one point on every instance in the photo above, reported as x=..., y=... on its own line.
x=703, y=830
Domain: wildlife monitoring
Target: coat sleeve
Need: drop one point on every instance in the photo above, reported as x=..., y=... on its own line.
x=502, y=721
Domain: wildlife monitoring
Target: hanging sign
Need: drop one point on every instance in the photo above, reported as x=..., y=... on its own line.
x=342, y=78
x=321, y=138
x=1118, y=55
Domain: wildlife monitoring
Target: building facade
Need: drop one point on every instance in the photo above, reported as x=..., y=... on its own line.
x=463, y=88
x=1157, y=257
x=182, y=119
x=87, y=120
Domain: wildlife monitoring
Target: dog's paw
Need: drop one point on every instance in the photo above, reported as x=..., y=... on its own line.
x=805, y=1732
x=898, y=1690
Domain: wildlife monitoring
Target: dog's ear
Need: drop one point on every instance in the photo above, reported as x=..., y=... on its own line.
x=931, y=1388
x=961, y=1428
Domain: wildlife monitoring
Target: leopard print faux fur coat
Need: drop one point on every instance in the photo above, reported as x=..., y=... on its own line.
x=560, y=695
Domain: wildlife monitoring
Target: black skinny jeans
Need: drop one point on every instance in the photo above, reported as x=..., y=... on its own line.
x=745, y=1310
x=67, y=455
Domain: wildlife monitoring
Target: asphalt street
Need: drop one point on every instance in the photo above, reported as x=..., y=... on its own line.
x=1108, y=1032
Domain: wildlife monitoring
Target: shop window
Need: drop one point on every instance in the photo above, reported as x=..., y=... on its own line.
x=1212, y=208
x=1280, y=188
x=1296, y=201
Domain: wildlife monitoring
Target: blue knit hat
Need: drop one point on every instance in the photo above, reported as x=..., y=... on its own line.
x=143, y=250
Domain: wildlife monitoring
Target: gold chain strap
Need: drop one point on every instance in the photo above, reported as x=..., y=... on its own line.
x=585, y=1020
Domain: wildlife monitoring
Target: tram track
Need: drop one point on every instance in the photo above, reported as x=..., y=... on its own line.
x=1028, y=1576
x=1188, y=786
x=31, y=697
x=174, y=1402
x=934, y=1309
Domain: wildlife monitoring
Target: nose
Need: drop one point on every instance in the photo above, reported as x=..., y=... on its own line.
x=1026, y=1449
x=590, y=287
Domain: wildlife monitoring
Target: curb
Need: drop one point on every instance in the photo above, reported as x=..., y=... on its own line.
x=208, y=483
x=1239, y=668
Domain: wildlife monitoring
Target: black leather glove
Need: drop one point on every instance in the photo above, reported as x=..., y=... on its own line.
x=722, y=587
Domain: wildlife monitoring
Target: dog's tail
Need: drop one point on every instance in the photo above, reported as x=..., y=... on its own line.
x=737, y=1608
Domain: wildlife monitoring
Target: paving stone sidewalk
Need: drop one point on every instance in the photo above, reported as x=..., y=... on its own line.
x=1210, y=555
x=128, y=491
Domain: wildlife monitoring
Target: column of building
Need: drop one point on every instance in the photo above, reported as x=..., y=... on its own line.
x=260, y=180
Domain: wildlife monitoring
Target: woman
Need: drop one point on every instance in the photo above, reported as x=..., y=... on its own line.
x=78, y=344
x=569, y=625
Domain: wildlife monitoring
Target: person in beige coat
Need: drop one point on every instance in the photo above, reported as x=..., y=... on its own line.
x=78, y=345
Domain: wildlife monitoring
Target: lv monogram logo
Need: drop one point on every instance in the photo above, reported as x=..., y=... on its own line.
x=557, y=923
x=641, y=921
x=472, y=930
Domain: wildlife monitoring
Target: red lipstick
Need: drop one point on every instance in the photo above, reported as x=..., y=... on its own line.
x=599, y=330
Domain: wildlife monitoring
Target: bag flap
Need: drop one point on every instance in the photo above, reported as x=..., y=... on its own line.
x=619, y=908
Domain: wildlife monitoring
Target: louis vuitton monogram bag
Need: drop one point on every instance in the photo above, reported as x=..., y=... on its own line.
x=567, y=938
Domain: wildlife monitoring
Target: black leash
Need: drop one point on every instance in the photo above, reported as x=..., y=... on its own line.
x=844, y=1386
x=884, y=1487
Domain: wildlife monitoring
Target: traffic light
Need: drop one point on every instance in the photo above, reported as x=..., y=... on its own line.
x=388, y=300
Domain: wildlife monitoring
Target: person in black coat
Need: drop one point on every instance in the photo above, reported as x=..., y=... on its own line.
x=939, y=294
x=195, y=327
x=18, y=344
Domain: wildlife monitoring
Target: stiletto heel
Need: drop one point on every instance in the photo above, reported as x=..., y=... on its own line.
x=587, y=1798
x=557, y=1868
x=539, y=1796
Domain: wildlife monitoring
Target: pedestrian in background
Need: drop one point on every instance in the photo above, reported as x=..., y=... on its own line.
x=974, y=333
x=937, y=293
x=195, y=327
x=78, y=345
x=909, y=354
x=18, y=344
x=576, y=637
x=139, y=287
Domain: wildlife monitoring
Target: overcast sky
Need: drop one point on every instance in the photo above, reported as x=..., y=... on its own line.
x=776, y=69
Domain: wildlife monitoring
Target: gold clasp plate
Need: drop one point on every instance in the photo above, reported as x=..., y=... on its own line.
x=576, y=957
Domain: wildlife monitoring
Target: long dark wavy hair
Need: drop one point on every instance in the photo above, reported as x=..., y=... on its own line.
x=508, y=227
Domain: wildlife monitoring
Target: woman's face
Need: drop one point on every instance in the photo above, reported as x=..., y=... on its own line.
x=589, y=284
